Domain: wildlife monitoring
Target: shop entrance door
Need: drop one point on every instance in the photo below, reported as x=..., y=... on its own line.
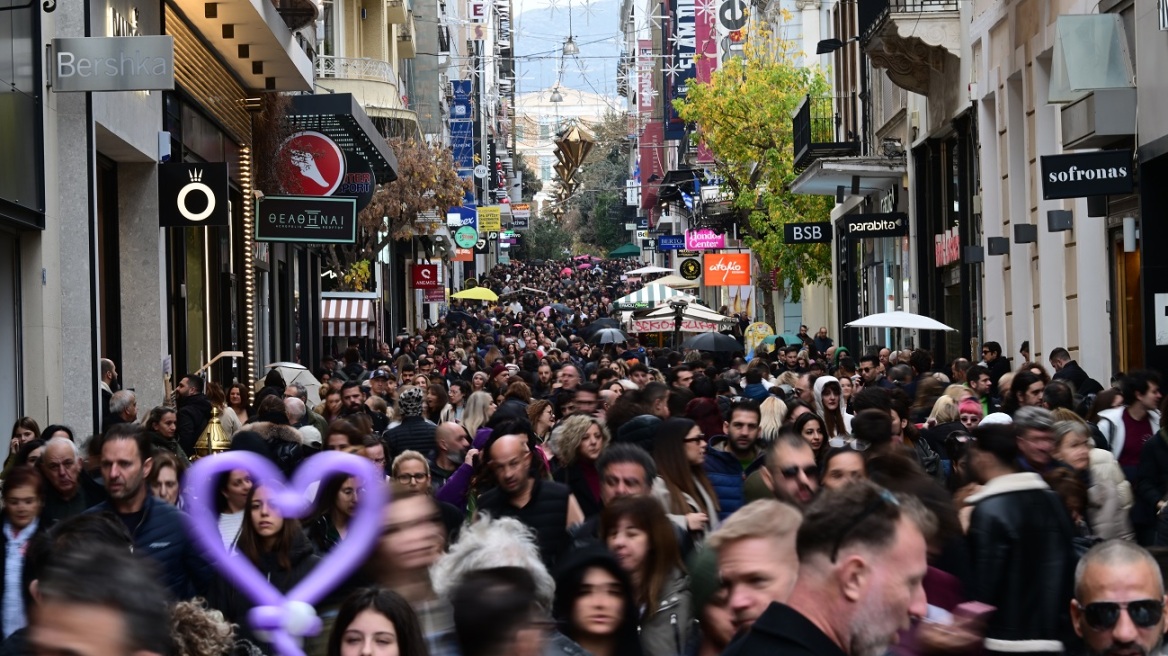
x=1127, y=317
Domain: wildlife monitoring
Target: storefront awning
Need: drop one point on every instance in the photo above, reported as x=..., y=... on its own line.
x=826, y=175
x=347, y=317
x=340, y=117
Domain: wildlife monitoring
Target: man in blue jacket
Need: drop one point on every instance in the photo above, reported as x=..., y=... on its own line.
x=158, y=528
x=728, y=464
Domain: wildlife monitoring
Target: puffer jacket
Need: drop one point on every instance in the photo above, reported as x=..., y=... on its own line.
x=412, y=434
x=668, y=631
x=727, y=477
x=162, y=536
x=1023, y=563
x=285, y=443
x=1110, y=495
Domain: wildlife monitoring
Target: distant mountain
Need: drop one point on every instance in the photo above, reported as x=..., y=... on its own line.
x=540, y=35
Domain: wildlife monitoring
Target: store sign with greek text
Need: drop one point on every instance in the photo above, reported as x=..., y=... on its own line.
x=704, y=240
x=113, y=63
x=193, y=195
x=872, y=226
x=667, y=325
x=313, y=219
x=1079, y=175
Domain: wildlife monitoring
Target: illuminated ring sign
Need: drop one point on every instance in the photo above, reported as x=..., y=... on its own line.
x=182, y=201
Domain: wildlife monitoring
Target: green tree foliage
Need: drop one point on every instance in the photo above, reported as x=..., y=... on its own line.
x=546, y=239
x=744, y=117
x=532, y=185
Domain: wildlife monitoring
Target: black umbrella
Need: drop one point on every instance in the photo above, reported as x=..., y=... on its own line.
x=561, y=308
x=609, y=336
x=716, y=342
x=603, y=322
x=457, y=316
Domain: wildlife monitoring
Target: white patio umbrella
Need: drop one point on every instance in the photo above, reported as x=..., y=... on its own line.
x=294, y=372
x=677, y=282
x=899, y=319
x=645, y=270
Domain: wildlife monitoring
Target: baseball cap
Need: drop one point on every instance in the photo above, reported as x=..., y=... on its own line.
x=380, y=373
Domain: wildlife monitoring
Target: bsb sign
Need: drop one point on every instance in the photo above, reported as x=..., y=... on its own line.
x=1079, y=175
x=193, y=195
x=313, y=219
x=113, y=63
x=807, y=233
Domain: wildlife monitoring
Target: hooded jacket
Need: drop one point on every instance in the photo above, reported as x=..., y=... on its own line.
x=412, y=434
x=285, y=444
x=820, y=383
x=193, y=414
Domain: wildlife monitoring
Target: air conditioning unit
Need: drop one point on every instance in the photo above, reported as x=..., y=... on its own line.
x=444, y=84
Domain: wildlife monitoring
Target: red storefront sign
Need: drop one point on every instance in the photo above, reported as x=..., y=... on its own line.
x=424, y=276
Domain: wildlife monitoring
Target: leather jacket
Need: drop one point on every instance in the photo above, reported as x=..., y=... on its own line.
x=1023, y=563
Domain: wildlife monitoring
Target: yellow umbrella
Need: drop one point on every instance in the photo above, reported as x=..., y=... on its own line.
x=477, y=294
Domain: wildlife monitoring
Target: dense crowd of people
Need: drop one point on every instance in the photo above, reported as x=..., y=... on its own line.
x=554, y=495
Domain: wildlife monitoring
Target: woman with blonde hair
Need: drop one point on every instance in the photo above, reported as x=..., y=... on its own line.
x=773, y=413
x=479, y=408
x=577, y=443
x=958, y=393
x=944, y=419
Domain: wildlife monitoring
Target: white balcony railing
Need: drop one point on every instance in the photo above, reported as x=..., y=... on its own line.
x=355, y=68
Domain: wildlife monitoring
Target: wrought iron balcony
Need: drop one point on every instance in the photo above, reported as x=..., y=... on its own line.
x=824, y=126
x=914, y=40
x=355, y=68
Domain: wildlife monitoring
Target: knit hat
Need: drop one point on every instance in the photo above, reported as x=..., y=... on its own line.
x=497, y=369
x=707, y=415
x=409, y=401
x=640, y=431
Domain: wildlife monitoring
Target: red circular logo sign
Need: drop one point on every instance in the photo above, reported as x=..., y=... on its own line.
x=317, y=165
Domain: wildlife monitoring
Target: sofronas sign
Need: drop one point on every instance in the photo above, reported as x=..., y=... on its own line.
x=1080, y=175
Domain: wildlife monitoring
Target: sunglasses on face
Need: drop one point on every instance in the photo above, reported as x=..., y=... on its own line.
x=1103, y=615
x=810, y=471
x=696, y=438
x=849, y=442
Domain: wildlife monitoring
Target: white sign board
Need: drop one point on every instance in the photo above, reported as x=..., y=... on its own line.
x=113, y=63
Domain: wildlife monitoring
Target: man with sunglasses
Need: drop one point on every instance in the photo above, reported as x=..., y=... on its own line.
x=790, y=471
x=1020, y=548
x=1119, y=600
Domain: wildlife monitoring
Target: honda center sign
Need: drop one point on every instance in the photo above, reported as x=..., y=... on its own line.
x=114, y=63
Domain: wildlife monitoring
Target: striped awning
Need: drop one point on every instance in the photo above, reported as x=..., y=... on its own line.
x=649, y=296
x=346, y=317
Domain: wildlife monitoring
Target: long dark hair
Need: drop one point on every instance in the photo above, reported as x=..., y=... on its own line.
x=663, y=556
x=390, y=605
x=249, y=543
x=569, y=587
x=679, y=474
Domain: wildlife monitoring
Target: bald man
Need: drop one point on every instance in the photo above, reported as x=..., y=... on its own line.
x=451, y=443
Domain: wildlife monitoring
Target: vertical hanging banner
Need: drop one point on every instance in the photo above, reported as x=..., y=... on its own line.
x=730, y=27
x=462, y=145
x=706, y=46
x=646, y=92
x=680, y=55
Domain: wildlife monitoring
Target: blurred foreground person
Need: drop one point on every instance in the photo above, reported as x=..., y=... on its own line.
x=376, y=622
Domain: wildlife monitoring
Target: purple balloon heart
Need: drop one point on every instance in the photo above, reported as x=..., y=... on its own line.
x=286, y=617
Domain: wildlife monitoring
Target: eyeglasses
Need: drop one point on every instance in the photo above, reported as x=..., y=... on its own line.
x=406, y=479
x=855, y=444
x=883, y=498
x=1103, y=615
x=810, y=471
x=985, y=352
x=696, y=438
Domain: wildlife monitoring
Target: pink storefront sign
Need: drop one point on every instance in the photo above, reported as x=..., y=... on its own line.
x=704, y=240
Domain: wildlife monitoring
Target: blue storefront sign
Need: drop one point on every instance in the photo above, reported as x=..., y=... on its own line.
x=670, y=242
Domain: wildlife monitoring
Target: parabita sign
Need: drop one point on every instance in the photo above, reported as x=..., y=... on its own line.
x=1079, y=175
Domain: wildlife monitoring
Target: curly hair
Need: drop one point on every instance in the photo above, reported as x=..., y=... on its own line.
x=567, y=436
x=198, y=630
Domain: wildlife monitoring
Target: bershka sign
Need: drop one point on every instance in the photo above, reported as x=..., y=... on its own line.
x=947, y=247
x=807, y=233
x=704, y=240
x=424, y=276
x=193, y=195
x=726, y=269
x=306, y=219
x=1079, y=175
x=113, y=63
x=871, y=226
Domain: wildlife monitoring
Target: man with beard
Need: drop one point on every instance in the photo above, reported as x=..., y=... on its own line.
x=1020, y=549
x=157, y=528
x=790, y=471
x=738, y=456
x=862, y=560
x=547, y=507
x=451, y=442
x=1119, y=601
x=353, y=404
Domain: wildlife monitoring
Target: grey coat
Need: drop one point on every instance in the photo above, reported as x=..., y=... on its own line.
x=667, y=632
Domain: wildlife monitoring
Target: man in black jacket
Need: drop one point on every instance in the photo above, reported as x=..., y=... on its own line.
x=1020, y=549
x=194, y=411
x=861, y=563
x=415, y=432
x=995, y=363
x=1067, y=369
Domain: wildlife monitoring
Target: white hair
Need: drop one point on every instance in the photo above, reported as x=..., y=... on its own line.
x=64, y=441
x=295, y=409
x=488, y=543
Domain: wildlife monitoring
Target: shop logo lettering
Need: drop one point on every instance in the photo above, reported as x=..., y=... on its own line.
x=726, y=268
x=874, y=225
x=1076, y=174
x=311, y=219
x=196, y=184
x=124, y=65
x=704, y=239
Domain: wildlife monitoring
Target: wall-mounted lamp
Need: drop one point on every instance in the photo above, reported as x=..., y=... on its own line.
x=998, y=245
x=828, y=46
x=973, y=254
x=1060, y=220
x=1025, y=233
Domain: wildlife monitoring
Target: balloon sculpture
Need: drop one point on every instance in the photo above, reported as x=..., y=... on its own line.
x=283, y=620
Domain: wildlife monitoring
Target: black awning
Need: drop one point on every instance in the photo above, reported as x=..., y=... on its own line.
x=339, y=117
x=684, y=179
